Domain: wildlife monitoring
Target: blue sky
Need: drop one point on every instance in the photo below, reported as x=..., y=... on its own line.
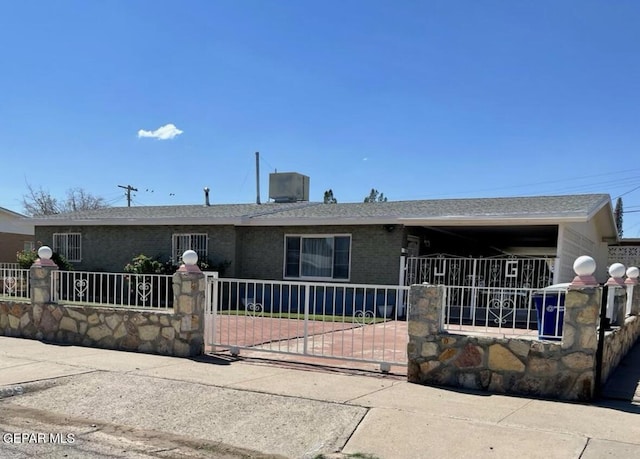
x=419, y=99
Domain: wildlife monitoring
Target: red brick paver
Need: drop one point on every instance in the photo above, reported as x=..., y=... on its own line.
x=381, y=342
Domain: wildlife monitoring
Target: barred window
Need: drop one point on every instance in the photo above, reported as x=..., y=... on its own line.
x=68, y=245
x=196, y=242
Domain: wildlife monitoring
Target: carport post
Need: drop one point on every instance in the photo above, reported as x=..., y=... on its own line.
x=307, y=291
x=402, y=277
x=631, y=281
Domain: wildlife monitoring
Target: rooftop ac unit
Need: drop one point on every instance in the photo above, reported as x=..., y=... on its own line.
x=288, y=187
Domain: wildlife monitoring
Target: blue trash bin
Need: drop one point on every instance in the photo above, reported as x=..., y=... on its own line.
x=549, y=303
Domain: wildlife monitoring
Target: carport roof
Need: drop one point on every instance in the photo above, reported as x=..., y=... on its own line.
x=433, y=212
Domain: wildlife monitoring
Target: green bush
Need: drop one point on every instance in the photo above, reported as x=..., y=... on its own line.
x=26, y=258
x=143, y=264
x=62, y=262
x=204, y=265
x=208, y=265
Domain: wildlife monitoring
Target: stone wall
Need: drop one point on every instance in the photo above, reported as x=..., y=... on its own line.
x=178, y=332
x=563, y=370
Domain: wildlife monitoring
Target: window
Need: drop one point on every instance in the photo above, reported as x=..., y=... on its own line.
x=317, y=257
x=196, y=242
x=29, y=246
x=68, y=245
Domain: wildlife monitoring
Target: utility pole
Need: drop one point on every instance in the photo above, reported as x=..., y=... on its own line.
x=257, y=177
x=129, y=189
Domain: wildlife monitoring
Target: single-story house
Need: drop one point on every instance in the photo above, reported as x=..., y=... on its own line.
x=344, y=242
x=16, y=234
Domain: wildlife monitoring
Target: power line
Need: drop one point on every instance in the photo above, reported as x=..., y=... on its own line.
x=627, y=192
x=262, y=160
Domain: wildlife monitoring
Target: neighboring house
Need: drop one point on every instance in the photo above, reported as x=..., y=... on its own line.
x=351, y=242
x=626, y=251
x=16, y=234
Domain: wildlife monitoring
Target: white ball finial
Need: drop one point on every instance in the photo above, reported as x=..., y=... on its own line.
x=45, y=253
x=633, y=272
x=584, y=266
x=616, y=270
x=190, y=258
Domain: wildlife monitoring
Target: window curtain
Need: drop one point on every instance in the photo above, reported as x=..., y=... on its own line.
x=317, y=257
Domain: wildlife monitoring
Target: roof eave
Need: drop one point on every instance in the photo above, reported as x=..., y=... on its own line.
x=173, y=221
x=320, y=221
x=492, y=221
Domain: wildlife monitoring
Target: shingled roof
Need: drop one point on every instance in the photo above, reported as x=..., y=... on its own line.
x=541, y=209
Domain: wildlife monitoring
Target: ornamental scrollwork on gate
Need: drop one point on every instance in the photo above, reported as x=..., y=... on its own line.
x=144, y=290
x=80, y=287
x=10, y=285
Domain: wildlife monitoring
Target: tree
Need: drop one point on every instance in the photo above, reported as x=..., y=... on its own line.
x=375, y=196
x=80, y=199
x=329, y=198
x=38, y=202
x=618, y=216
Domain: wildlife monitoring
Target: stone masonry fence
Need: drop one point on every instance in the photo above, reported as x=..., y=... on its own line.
x=570, y=369
x=177, y=332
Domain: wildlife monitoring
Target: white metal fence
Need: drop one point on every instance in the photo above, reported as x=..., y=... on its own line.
x=14, y=283
x=505, y=311
x=503, y=271
x=113, y=289
x=9, y=265
x=355, y=322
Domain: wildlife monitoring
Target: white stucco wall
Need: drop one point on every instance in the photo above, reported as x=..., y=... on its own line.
x=14, y=224
x=576, y=239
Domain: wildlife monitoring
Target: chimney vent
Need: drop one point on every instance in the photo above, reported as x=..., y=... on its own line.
x=206, y=196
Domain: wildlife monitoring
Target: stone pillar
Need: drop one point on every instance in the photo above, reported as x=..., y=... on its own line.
x=40, y=283
x=581, y=315
x=616, y=301
x=633, y=291
x=188, y=307
x=580, y=339
x=424, y=323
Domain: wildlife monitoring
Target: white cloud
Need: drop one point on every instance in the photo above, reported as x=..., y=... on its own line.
x=166, y=132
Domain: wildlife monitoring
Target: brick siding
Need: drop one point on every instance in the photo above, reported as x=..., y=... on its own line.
x=255, y=252
x=375, y=252
x=10, y=244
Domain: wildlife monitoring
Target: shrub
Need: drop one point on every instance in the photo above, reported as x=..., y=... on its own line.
x=204, y=265
x=26, y=258
x=208, y=265
x=143, y=264
x=62, y=262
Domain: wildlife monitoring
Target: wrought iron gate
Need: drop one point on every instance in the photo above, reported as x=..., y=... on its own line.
x=503, y=271
x=352, y=322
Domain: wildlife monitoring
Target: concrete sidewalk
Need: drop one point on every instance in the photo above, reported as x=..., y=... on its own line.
x=120, y=404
